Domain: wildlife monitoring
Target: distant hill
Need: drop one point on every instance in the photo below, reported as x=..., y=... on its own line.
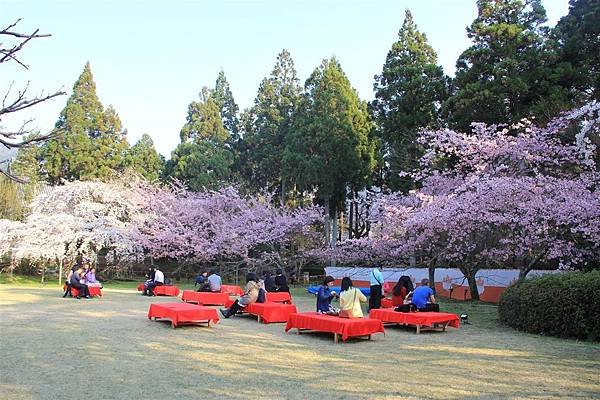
x=6, y=154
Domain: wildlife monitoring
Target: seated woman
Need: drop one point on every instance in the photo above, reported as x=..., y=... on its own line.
x=324, y=297
x=76, y=283
x=250, y=296
x=402, y=288
x=90, y=278
x=281, y=284
x=350, y=299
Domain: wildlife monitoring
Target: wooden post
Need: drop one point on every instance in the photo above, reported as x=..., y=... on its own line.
x=335, y=338
x=60, y=272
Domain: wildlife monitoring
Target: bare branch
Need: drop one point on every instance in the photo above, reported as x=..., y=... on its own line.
x=7, y=54
x=21, y=103
x=25, y=142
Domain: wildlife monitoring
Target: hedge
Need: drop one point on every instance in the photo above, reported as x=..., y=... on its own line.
x=565, y=305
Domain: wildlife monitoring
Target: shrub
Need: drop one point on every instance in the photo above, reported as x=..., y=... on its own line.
x=564, y=305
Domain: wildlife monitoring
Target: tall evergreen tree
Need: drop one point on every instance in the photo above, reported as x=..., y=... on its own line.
x=229, y=109
x=90, y=142
x=408, y=94
x=507, y=73
x=143, y=158
x=204, y=158
x=330, y=145
x=270, y=123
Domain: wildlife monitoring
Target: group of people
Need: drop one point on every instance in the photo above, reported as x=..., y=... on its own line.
x=405, y=297
x=155, y=277
x=209, y=283
x=81, y=276
x=256, y=289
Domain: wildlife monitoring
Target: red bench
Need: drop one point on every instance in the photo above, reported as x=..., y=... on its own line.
x=95, y=291
x=422, y=320
x=346, y=327
x=279, y=297
x=183, y=313
x=166, y=290
x=205, y=298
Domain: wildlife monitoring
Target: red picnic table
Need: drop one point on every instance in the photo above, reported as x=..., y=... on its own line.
x=166, y=290
x=95, y=291
x=183, y=313
x=233, y=290
x=140, y=287
x=422, y=320
x=270, y=312
x=279, y=297
x=347, y=327
x=205, y=298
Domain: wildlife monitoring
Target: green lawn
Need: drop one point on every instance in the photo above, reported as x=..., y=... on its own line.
x=50, y=345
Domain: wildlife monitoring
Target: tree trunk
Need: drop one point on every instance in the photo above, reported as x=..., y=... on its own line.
x=282, y=195
x=341, y=233
x=334, y=229
x=327, y=223
x=60, y=272
x=356, y=219
x=431, y=270
x=44, y=274
x=472, y=285
x=351, y=218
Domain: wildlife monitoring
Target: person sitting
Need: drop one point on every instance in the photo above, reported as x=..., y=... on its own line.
x=159, y=280
x=214, y=281
x=269, y=282
x=281, y=282
x=76, y=283
x=202, y=281
x=324, y=297
x=401, y=290
x=423, y=298
x=350, y=299
x=68, y=282
x=90, y=278
x=250, y=296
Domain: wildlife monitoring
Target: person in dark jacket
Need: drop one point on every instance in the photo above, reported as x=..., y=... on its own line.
x=281, y=284
x=269, y=282
x=76, y=283
x=325, y=295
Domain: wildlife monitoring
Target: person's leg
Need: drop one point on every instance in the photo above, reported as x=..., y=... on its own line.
x=235, y=307
x=375, y=297
x=67, y=290
x=430, y=307
x=150, y=289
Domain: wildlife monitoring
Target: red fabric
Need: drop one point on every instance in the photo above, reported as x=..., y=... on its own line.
x=206, y=298
x=347, y=327
x=232, y=290
x=386, y=303
x=415, y=318
x=182, y=312
x=279, y=297
x=94, y=291
x=166, y=290
x=271, y=312
x=140, y=287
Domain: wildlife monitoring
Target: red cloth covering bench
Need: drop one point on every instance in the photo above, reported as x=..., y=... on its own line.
x=205, y=298
x=166, y=290
x=347, y=327
x=232, y=290
x=279, y=297
x=427, y=320
x=270, y=312
x=140, y=287
x=183, y=313
x=387, y=303
x=95, y=291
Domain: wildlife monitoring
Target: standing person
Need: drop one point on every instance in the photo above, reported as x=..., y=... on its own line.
x=76, y=283
x=281, y=284
x=250, y=296
x=423, y=298
x=269, y=282
x=325, y=295
x=159, y=280
x=214, y=281
x=376, y=282
x=350, y=299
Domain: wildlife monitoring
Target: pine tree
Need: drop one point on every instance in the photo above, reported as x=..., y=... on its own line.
x=229, y=109
x=330, y=145
x=90, y=143
x=506, y=74
x=204, y=157
x=407, y=97
x=143, y=158
x=270, y=123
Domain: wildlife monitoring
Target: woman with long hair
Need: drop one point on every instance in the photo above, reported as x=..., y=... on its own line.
x=401, y=289
x=350, y=299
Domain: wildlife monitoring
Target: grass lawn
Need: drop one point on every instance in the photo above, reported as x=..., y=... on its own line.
x=108, y=349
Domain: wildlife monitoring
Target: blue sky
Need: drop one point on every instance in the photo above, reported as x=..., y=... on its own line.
x=151, y=58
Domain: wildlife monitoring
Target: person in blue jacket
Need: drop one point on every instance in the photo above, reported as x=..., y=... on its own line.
x=325, y=295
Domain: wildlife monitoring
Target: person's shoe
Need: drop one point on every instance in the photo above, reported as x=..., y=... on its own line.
x=224, y=312
x=78, y=297
x=88, y=297
x=64, y=295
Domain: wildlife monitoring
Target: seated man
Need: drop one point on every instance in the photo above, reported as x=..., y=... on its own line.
x=159, y=280
x=423, y=299
x=76, y=283
x=202, y=281
x=214, y=281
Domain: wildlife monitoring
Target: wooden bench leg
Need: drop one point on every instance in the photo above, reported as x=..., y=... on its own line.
x=173, y=325
x=258, y=318
x=335, y=338
x=418, y=329
x=299, y=331
x=369, y=337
